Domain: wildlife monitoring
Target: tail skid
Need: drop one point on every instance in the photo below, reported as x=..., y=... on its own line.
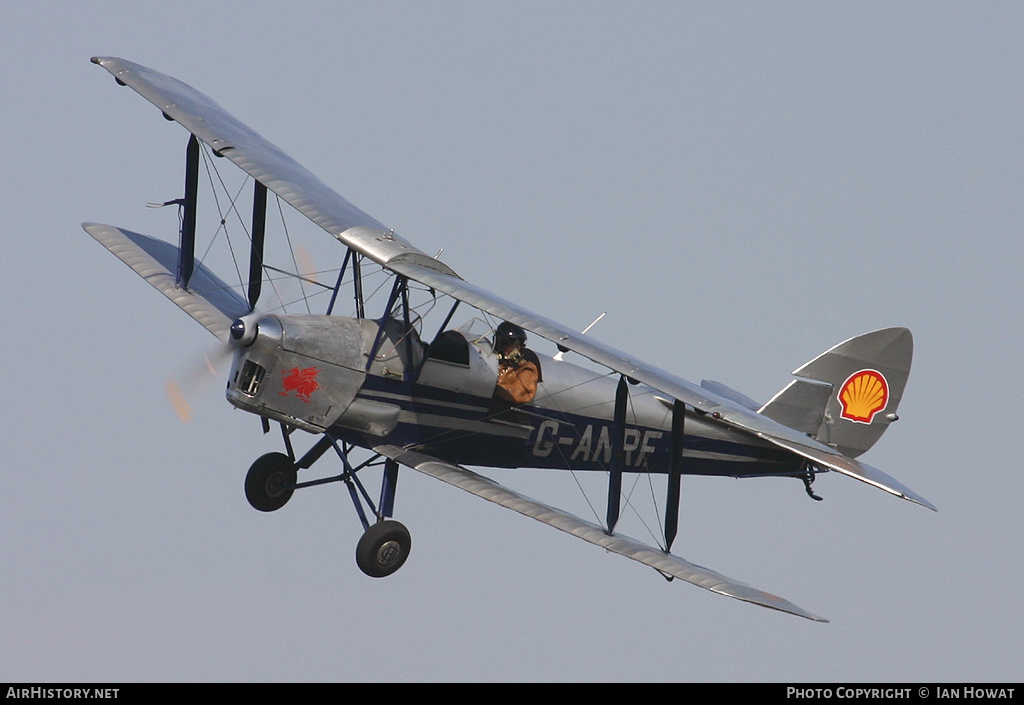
x=855, y=469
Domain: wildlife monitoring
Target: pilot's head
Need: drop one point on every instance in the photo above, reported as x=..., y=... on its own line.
x=508, y=337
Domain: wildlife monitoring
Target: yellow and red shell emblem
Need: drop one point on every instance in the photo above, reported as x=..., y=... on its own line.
x=863, y=395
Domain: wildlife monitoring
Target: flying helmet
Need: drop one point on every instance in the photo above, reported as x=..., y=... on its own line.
x=506, y=334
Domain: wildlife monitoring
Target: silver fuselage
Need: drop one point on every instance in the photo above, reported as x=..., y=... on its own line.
x=316, y=373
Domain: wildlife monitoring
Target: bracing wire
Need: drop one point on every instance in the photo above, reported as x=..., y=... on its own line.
x=291, y=250
x=211, y=170
x=422, y=310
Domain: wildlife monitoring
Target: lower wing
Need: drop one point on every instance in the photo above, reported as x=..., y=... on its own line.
x=661, y=561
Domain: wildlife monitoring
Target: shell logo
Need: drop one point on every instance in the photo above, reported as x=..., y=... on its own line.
x=863, y=395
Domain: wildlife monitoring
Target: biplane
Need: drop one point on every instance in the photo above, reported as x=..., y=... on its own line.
x=437, y=399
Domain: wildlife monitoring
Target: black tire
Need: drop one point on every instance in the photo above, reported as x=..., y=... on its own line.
x=268, y=484
x=383, y=548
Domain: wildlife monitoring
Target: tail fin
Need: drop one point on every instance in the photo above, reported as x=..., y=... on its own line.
x=848, y=396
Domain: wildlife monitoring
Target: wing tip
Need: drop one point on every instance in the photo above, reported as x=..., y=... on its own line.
x=754, y=596
x=918, y=499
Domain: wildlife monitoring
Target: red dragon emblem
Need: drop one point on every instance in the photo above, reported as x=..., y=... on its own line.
x=301, y=381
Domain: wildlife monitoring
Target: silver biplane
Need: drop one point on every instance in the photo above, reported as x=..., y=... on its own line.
x=437, y=400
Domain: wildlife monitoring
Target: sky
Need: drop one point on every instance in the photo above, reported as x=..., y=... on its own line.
x=739, y=185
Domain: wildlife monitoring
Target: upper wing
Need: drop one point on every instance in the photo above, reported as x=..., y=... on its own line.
x=664, y=562
x=311, y=197
x=265, y=162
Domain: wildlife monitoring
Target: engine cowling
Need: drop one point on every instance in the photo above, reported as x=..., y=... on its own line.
x=302, y=370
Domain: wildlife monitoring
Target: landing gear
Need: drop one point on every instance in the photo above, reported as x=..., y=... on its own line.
x=270, y=482
x=383, y=548
x=384, y=545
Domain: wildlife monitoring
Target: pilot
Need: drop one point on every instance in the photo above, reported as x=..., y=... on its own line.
x=518, y=366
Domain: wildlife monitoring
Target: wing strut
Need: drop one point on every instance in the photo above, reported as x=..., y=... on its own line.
x=341, y=275
x=408, y=328
x=396, y=290
x=674, y=471
x=357, y=284
x=187, y=258
x=400, y=291
x=259, y=226
x=618, y=455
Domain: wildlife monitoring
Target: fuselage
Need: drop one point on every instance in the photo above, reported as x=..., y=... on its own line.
x=369, y=384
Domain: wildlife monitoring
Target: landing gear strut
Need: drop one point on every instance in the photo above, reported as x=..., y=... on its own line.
x=384, y=545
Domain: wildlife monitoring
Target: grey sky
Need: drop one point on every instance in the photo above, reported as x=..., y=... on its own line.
x=740, y=186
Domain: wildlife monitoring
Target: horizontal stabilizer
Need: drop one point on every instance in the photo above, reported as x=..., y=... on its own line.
x=665, y=563
x=729, y=393
x=210, y=301
x=855, y=469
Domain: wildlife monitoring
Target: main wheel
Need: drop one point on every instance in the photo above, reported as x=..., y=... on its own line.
x=268, y=484
x=383, y=548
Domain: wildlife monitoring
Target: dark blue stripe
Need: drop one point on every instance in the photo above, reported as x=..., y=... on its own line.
x=492, y=450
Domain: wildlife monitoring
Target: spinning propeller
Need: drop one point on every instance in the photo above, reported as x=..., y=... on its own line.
x=202, y=372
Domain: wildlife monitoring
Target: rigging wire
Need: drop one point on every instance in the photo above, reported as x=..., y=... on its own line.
x=422, y=310
x=636, y=481
x=211, y=170
x=291, y=249
x=232, y=207
x=628, y=497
